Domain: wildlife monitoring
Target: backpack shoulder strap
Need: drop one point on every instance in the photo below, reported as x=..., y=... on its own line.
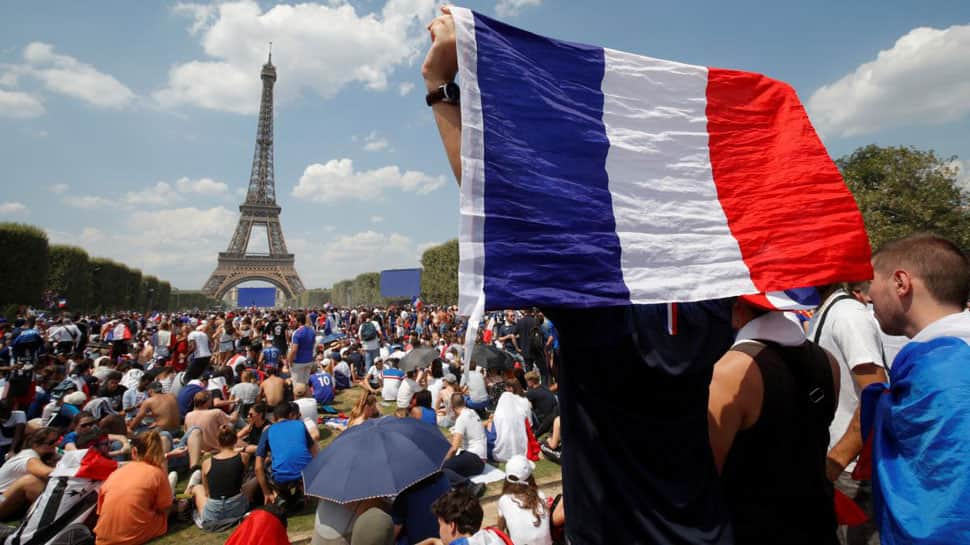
x=825, y=314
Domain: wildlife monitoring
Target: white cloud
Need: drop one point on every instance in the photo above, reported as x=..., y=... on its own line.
x=178, y=245
x=405, y=88
x=58, y=189
x=375, y=142
x=204, y=186
x=68, y=76
x=87, y=201
x=320, y=48
x=323, y=263
x=963, y=174
x=202, y=14
x=22, y=105
x=337, y=180
x=923, y=78
x=8, y=209
x=376, y=219
x=511, y=8
x=158, y=195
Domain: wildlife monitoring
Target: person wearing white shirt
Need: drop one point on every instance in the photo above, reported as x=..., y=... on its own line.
x=409, y=387
x=844, y=327
x=522, y=511
x=466, y=457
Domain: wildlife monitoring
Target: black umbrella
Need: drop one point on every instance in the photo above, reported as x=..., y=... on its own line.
x=419, y=358
x=489, y=357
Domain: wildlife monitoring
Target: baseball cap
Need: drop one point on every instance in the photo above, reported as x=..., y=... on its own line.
x=450, y=378
x=518, y=469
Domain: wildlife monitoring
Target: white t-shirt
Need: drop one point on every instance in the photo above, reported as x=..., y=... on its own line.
x=245, y=392
x=342, y=368
x=201, y=344
x=374, y=373
x=435, y=388
x=407, y=390
x=469, y=425
x=851, y=334
x=521, y=522
x=392, y=383
x=16, y=417
x=15, y=468
x=308, y=408
x=476, y=386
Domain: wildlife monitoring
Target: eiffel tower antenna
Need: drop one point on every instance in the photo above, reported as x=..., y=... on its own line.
x=236, y=265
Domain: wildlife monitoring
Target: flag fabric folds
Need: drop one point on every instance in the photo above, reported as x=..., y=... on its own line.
x=593, y=177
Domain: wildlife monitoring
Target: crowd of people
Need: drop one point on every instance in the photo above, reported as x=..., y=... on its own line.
x=237, y=400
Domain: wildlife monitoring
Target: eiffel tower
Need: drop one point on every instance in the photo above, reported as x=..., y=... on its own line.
x=236, y=265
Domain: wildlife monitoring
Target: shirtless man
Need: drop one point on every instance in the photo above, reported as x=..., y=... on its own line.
x=160, y=411
x=273, y=389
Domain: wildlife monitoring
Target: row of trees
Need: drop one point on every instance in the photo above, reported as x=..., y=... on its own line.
x=36, y=273
x=439, y=282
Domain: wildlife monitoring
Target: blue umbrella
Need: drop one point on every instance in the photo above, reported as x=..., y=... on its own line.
x=332, y=337
x=379, y=458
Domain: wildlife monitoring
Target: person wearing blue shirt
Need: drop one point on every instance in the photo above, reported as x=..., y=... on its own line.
x=270, y=356
x=411, y=511
x=322, y=385
x=300, y=355
x=292, y=449
x=187, y=394
x=920, y=422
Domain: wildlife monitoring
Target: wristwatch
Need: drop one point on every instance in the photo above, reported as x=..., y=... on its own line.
x=447, y=93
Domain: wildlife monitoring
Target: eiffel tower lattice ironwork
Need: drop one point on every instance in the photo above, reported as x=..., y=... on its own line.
x=236, y=265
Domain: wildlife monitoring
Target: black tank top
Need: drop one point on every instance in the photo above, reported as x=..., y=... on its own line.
x=225, y=477
x=774, y=476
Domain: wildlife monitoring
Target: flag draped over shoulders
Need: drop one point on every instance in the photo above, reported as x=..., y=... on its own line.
x=593, y=177
x=920, y=426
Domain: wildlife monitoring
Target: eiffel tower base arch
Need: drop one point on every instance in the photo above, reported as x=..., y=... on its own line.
x=232, y=271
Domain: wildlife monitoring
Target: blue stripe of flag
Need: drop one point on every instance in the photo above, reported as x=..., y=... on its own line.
x=549, y=229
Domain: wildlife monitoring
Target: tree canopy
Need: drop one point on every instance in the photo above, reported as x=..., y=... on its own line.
x=904, y=190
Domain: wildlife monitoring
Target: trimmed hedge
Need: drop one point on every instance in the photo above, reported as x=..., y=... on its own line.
x=439, y=279
x=69, y=276
x=191, y=300
x=23, y=268
x=164, y=296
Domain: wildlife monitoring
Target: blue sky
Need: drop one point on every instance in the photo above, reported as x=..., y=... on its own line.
x=128, y=128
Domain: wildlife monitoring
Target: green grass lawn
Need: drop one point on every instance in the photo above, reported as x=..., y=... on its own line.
x=186, y=533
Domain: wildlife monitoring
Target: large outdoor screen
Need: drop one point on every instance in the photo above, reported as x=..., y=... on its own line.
x=401, y=283
x=256, y=297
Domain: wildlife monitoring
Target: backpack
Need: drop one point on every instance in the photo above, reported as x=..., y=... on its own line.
x=368, y=331
x=537, y=343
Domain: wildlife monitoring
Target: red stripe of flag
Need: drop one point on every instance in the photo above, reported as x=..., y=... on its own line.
x=780, y=190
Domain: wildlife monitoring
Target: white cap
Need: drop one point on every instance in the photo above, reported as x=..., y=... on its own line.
x=518, y=469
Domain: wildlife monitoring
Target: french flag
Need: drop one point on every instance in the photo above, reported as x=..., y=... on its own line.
x=593, y=177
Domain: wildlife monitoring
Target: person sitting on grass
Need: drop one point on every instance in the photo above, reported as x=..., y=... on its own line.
x=24, y=475
x=473, y=385
x=421, y=408
x=365, y=409
x=134, y=501
x=552, y=447
x=291, y=447
x=522, y=511
x=466, y=457
x=257, y=419
x=217, y=488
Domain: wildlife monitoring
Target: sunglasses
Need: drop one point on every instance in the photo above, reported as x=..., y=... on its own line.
x=85, y=424
x=50, y=443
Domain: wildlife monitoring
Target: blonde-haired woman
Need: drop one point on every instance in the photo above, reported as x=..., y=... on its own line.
x=134, y=501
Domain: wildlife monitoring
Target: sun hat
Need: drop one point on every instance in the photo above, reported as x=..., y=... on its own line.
x=518, y=469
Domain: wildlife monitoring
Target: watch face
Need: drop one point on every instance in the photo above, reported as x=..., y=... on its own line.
x=452, y=92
